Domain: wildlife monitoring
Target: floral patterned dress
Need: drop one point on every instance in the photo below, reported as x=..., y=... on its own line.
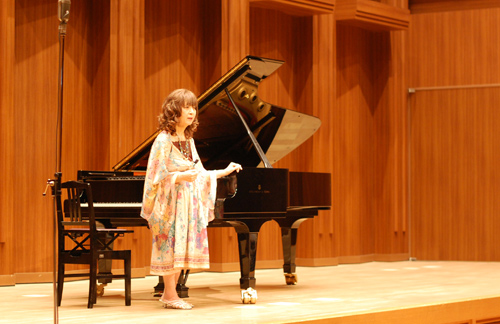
x=178, y=214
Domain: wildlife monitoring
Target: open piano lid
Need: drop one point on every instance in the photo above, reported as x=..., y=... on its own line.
x=222, y=138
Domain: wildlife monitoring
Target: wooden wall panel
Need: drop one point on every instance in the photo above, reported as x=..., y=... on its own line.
x=85, y=142
x=212, y=35
x=357, y=133
x=455, y=180
x=453, y=134
x=371, y=15
x=321, y=243
x=235, y=31
x=127, y=66
x=372, y=158
x=390, y=117
x=297, y=7
x=35, y=102
x=396, y=3
x=390, y=51
x=173, y=53
x=454, y=48
x=7, y=131
x=423, y=6
x=97, y=75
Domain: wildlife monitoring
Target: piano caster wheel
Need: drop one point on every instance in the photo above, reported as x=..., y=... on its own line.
x=291, y=278
x=249, y=296
x=100, y=290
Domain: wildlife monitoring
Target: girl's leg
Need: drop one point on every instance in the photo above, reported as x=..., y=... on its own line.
x=170, y=299
x=169, y=282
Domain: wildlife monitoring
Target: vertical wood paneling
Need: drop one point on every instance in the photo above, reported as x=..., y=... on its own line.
x=453, y=177
x=7, y=131
x=390, y=117
x=172, y=59
x=126, y=75
x=35, y=102
x=372, y=198
x=426, y=6
x=78, y=105
x=211, y=42
x=235, y=32
x=326, y=145
x=396, y=3
x=97, y=75
x=470, y=57
x=357, y=134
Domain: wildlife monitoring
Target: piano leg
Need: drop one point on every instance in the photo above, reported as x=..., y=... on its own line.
x=104, y=267
x=159, y=288
x=247, y=243
x=248, y=249
x=181, y=288
x=289, y=229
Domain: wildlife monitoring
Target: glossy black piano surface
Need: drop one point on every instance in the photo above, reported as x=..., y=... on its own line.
x=262, y=193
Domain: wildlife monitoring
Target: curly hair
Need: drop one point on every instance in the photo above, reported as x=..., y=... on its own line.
x=172, y=109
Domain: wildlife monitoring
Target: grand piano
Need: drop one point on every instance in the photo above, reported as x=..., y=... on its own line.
x=235, y=126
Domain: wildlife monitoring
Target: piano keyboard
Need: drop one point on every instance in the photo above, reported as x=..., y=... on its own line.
x=115, y=205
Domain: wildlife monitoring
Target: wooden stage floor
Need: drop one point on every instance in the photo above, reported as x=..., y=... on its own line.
x=375, y=292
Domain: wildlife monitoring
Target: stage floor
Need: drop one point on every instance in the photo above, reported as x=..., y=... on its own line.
x=375, y=292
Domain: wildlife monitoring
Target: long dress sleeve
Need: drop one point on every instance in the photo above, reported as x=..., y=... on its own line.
x=207, y=186
x=159, y=182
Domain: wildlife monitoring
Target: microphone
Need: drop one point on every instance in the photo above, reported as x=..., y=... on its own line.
x=63, y=10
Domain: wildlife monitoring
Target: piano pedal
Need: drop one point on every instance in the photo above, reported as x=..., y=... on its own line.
x=182, y=289
x=249, y=296
x=291, y=278
x=100, y=290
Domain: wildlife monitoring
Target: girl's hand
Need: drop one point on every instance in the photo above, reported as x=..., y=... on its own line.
x=189, y=175
x=232, y=167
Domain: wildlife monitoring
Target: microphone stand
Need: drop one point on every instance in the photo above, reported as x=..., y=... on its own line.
x=55, y=183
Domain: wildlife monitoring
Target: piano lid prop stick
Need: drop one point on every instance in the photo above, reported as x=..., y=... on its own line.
x=256, y=144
